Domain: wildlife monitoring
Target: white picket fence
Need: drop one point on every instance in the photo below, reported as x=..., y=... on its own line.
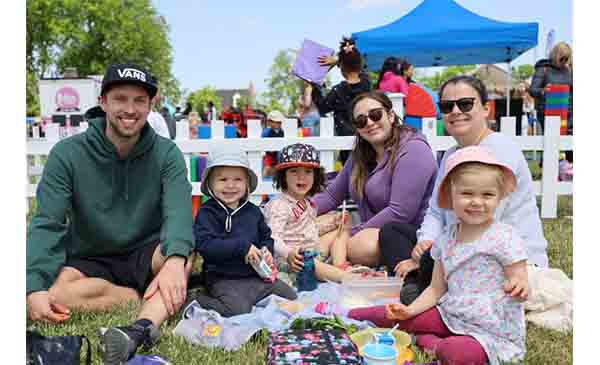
x=548, y=187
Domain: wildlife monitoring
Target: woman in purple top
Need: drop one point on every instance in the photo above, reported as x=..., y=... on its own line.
x=390, y=174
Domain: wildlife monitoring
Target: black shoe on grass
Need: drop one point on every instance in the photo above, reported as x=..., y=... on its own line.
x=119, y=344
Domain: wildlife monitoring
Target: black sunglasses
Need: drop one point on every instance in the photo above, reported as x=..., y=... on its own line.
x=375, y=115
x=464, y=105
x=563, y=59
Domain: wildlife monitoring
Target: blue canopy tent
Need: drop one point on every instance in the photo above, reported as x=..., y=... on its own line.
x=443, y=33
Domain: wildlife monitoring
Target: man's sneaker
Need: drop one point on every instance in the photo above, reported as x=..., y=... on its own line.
x=118, y=344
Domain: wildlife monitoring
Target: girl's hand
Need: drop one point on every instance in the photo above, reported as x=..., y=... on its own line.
x=342, y=217
x=420, y=249
x=405, y=266
x=327, y=60
x=516, y=287
x=295, y=260
x=398, y=311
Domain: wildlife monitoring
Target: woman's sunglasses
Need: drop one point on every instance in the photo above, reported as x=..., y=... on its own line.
x=464, y=105
x=375, y=115
x=563, y=59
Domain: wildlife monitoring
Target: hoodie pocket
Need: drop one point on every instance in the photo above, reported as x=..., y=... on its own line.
x=104, y=202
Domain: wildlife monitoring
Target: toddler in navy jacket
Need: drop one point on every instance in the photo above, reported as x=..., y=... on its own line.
x=230, y=232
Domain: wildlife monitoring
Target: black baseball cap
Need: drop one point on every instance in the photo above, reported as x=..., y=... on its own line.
x=129, y=73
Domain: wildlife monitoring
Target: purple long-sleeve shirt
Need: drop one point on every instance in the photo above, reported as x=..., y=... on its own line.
x=400, y=195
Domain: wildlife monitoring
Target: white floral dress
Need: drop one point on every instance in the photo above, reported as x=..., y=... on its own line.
x=476, y=304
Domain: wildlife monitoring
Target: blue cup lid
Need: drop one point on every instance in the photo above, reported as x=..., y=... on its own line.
x=379, y=351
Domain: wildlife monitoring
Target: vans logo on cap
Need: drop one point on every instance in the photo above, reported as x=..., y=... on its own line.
x=132, y=73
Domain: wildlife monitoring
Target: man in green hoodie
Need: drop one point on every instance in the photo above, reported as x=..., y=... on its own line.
x=114, y=220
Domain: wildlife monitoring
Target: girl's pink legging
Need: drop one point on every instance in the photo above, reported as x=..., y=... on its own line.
x=432, y=335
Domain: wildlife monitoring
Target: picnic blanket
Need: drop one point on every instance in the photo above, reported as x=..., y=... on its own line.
x=549, y=305
x=273, y=313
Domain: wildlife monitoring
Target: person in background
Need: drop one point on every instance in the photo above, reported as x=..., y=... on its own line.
x=170, y=119
x=528, y=106
x=187, y=110
x=406, y=71
x=557, y=70
x=339, y=98
x=156, y=120
x=390, y=79
x=178, y=114
x=193, y=122
x=211, y=112
x=273, y=130
x=230, y=234
x=113, y=220
x=310, y=113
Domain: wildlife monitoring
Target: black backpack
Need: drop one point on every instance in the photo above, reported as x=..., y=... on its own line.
x=56, y=350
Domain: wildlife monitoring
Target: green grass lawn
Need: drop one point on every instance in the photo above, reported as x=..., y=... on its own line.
x=543, y=346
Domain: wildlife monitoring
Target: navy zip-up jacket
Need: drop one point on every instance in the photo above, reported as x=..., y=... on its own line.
x=224, y=252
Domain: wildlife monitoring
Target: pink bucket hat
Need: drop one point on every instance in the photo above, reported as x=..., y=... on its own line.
x=471, y=154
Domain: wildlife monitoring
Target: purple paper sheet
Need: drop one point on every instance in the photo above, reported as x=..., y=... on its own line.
x=307, y=64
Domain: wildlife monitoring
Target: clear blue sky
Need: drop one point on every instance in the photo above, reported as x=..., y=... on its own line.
x=227, y=44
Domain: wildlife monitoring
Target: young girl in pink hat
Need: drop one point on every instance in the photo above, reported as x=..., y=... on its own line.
x=472, y=312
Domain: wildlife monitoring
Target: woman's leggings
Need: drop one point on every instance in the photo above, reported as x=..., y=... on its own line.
x=432, y=335
x=396, y=242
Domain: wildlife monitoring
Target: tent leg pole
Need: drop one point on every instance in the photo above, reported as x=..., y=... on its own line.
x=508, y=77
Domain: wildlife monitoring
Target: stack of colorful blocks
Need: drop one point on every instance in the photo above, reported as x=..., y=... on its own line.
x=197, y=166
x=557, y=104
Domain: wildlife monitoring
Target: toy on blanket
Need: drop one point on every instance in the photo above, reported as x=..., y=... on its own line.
x=267, y=272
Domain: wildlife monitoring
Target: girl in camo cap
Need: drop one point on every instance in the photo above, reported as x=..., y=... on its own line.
x=293, y=218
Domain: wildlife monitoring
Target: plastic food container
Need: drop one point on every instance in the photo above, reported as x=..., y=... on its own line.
x=379, y=354
x=370, y=291
x=402, y=342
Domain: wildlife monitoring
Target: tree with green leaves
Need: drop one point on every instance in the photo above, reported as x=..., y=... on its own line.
x=200, y=98
x=434, y=82
x=91, y=35
x=244, y=101
x=284, y=88
x=522, y=72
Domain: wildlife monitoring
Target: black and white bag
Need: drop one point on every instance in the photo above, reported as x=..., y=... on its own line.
x=56, y=350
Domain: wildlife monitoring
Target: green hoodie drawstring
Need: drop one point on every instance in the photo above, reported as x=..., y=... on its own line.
x=127, y=180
